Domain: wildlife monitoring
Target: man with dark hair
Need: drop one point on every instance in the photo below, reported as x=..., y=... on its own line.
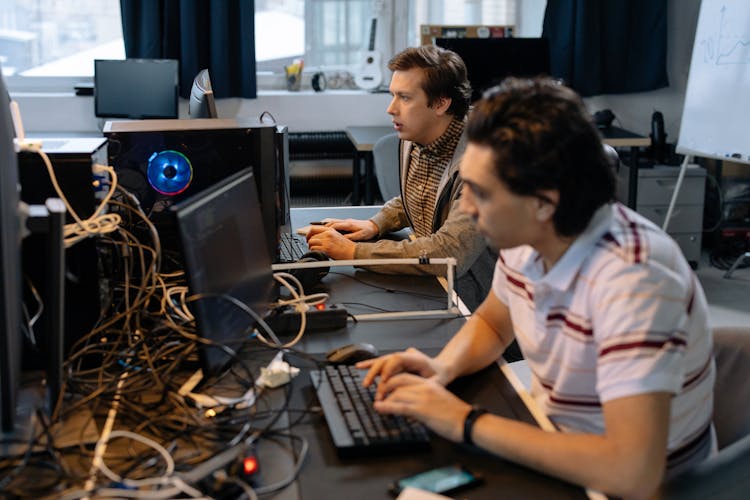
x=609, y=316
x=430, y=100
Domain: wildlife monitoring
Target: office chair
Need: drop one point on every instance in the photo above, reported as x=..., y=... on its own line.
x=612, y=157
x=385, y=156
x=726, y=475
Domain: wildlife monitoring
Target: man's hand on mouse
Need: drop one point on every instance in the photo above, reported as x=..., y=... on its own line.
x=329, y=241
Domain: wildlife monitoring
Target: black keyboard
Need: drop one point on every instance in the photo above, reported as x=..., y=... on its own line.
x=356, y=428
x=292, y=247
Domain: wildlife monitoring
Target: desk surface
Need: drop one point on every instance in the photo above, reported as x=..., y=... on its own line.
x=618, y=137
x=364, y=138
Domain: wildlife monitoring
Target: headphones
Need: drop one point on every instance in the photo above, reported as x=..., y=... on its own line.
x=310, y=278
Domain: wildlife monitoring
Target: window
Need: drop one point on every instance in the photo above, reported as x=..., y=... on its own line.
x=49, y=38
x=48, y=43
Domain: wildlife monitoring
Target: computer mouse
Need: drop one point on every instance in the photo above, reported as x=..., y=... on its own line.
x=352, y=353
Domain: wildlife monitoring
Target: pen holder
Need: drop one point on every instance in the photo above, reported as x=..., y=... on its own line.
x=293, y=77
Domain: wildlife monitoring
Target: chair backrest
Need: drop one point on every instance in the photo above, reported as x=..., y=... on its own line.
x=612, y=157
x=385, y=156
x=727, y=474
x=732, y=388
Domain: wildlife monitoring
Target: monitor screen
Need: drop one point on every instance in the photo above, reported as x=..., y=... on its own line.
x=10, y=258
x=224, y=248
x=489, y=60
x=136, y=88
x=202, y=104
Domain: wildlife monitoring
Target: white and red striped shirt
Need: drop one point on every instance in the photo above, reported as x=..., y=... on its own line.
x=620, y=314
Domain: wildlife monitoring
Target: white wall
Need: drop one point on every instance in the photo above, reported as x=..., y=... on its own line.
x=334, y=110
x=306, y=110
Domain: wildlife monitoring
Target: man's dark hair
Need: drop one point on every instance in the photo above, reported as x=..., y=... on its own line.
x=445, y=75
x=544, y=138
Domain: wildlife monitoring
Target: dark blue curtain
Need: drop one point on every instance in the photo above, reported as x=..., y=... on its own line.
x=218, y=35
x=608, y=47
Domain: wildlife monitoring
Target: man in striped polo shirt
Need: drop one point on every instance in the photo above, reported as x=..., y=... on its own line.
x=609, y=315
x=431, y=96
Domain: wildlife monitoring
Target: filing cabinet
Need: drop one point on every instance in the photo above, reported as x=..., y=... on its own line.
x=655, y=188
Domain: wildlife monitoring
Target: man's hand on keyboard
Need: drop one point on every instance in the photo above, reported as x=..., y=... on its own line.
x=355, y=229
x=425, y=400
x=385, y=367
x=331, y=242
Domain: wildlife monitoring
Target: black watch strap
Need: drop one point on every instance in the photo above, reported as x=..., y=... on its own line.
x=469, y=422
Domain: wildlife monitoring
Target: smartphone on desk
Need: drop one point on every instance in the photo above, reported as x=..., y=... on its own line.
x=442, y=480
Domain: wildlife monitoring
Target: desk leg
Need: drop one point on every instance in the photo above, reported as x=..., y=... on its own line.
x=633, y=178
x=356, y=195
x=369, y=177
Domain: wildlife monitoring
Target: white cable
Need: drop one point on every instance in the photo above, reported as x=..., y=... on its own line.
x=137, y=483
x=101, y=445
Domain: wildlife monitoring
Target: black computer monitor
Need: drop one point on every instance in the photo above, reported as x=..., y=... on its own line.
x=225, y=254
x=136, y=88
x=10, y=258
x=202, y=104
x=490, y=60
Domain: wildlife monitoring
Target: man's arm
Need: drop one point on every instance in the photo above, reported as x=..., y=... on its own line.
x=330, y=240
x=457, y=237
x=479, y=342
x=628, y=460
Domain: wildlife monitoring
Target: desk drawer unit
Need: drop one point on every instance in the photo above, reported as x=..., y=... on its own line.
x=655, y=188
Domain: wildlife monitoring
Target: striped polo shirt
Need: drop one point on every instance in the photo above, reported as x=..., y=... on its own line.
x=428, y=162
x=620, y=314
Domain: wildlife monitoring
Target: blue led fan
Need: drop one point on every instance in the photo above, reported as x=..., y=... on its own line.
x=169, y=172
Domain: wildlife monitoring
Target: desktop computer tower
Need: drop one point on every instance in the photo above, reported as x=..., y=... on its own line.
x=164, y=161
x=72, y=160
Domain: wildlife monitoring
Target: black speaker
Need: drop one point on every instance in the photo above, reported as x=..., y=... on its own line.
x=72, y=160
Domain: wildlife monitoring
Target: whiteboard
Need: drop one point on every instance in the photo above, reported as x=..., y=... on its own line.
x=716, y=113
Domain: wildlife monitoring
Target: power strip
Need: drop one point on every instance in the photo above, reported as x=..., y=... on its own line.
x=317, y=320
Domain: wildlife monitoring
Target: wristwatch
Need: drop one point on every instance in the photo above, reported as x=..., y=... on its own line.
x=469, y=422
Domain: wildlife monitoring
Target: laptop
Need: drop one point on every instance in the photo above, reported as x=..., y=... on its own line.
x=226, y=258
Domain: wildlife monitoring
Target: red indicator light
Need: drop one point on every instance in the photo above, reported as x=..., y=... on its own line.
x=250, y=466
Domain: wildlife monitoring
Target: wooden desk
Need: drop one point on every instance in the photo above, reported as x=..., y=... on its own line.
x=621, y=138
x=364, y=139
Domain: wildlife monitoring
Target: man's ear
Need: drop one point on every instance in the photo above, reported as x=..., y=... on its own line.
x=546, y=204
x=441, y=105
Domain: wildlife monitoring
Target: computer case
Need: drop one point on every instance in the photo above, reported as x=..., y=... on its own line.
x=72, y=160
x=164, y=161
